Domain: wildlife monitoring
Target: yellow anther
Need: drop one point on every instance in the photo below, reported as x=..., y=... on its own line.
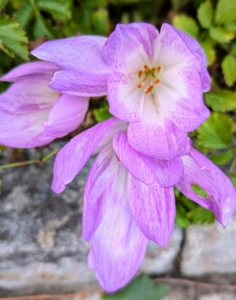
x=149, y=89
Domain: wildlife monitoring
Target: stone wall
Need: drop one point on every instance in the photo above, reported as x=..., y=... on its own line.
x=41, y=250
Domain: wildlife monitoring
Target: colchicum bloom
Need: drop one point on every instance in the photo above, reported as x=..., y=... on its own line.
x=31, y=113
x=154, y=81
x=120, y=211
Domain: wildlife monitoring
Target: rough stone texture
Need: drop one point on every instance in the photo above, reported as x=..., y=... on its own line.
x=40, y=246
x=160, y=260
x=210, y=249
x=218, y=296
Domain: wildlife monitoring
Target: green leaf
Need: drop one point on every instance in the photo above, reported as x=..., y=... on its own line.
x=59, y=9
x=230, y=26
x=225, y=11
x=208, y=47
x=186, y=24
x=198, y=190
x=221, y=101
x=201, y=216
x=42, y=28
x=139, y=289
x=204, y=14
x=222, y=158
x=216, y=132
x=24, y=14
x=12, y=38
x=102, y=113
x=3, y=4
x=221, y=35
x=181, y=217
x=233, y=49
x=101, y=21
x=229, y=69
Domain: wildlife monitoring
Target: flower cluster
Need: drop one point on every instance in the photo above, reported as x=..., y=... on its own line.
x=154, y=84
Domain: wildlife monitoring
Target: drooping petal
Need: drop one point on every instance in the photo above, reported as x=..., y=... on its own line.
x=148, y=170
x=221, y=197
x=153, y=209
x=84, y=71
x=196, y=49
x=66, y=115
x=30, y=68
x=130, y=46
x=162, y=140
x=106, y=179
x=28, y=95
x=73, y=156
x=117, y=246
x=24, y=130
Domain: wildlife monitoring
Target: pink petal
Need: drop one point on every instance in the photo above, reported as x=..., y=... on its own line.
x=66, y=115
x=117, y=246
x=30, y=68
x=105, y=178
x=148, y=170
x=196, y=49
x=24, y=130
x=84, y=71
x=29, y=94
x=221, y=197
x=160, y=140
x=180, y=98
x=153, y=209
x=73, y=156
x=130, y=46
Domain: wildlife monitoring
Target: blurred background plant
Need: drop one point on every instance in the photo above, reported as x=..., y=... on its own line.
x=25, y=24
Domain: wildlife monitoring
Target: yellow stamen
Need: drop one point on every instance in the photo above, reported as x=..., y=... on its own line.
x=149, y=89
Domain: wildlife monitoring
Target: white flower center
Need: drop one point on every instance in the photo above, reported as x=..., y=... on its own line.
x=149, y=77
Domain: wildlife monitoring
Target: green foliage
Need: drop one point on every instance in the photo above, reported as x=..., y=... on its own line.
x=216, y=132
x=102, y=113
x=139, y=289
x=188, y=212
x=186, y=24
x=222, y=158
x=225, y=11
x=221, y=100
x=12, y=38
x=205, y=14
x=229, y=69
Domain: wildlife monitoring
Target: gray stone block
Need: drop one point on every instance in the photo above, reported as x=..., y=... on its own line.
x=160, y=260
x=210, y=249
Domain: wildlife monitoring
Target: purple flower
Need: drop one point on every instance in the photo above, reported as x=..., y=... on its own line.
x=154, y=81
x=121, y=212
x=31, y=113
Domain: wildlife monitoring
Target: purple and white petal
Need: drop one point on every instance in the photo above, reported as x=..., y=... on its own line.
x=106, y=179
x=197, y=50
x=28, y=95
x=31, y=68
x=130, y=46
x=201, y=171
x=153, y=209
x=24, y=130
x=117, y=257
x=74, y=155
x=66, y=115
x=84, y=72
x=148, y=170
x=162, y=140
